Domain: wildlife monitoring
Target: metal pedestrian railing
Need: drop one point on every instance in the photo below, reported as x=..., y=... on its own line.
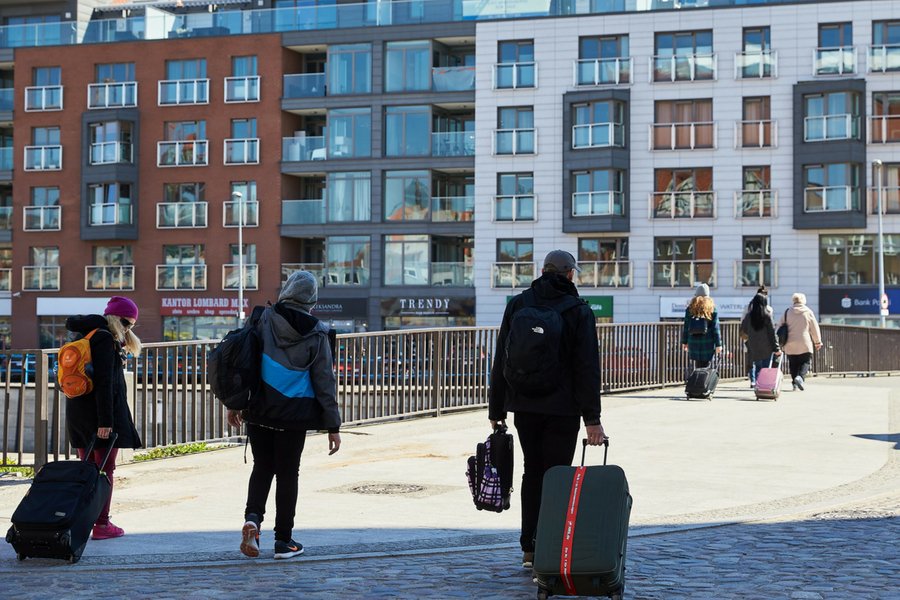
x=380, y=376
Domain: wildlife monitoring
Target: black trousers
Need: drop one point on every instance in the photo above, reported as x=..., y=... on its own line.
x=275, y=454
x=799, y=364
x=546, y=441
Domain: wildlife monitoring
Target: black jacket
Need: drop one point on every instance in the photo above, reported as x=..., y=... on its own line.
x=106, y=405
x=578, y=393
x=761, y=343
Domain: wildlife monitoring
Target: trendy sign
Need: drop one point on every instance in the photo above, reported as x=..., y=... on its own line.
x=856, y=301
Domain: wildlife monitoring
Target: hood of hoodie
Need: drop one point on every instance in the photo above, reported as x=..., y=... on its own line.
x=82, y=324
x=290, y=325
x=553, y=285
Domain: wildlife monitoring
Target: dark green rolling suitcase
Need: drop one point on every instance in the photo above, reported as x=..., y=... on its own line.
x=582, y=531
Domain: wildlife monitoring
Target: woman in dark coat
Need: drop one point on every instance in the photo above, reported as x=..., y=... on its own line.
x=104, y=410
x=758, y=329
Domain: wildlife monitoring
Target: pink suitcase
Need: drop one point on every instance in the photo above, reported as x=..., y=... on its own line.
x=768, y=381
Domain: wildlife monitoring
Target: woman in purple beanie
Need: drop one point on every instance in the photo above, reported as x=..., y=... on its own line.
x=104, y=410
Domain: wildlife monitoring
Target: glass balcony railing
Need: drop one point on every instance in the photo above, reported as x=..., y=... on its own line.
x=182, y=154
x=181, y=277
x=756, y=134
x=890, y=200
x=98, y=278
x=40, y=278
x=453, y=143
x=836, y=198
x=302, y=212
x=42, y=218
x=598, y=135
x=884, y=59
x=830, y=127
x=515, y=75
x=295, y=149
x=231, y=276
x=834, y=61
x=6, y=159
x=756, y=65
x=43, y=158
x=38, y=34
x=683, y=136
x=112, y=95
x=110, y=213
x=683, y=67
x=242, y=89
x=183, y=91
x=452, y=208
x=515, y=141
x=106, y=153
x=304, y=85
x=231, y=213
x=884, y=129
x=682, y=273
x=603, y=71
x=512, y=274
x=755, y=203
x=317, y=269
x=683, y=205
x=514, y=207
x=5, y=280
x=6, y=216
x=453, y=79
x=754, y=273
x=605, y=273
x=7, y=97
x=592, y=204
x=244, y=151
x=452, y=273
x=171, y=215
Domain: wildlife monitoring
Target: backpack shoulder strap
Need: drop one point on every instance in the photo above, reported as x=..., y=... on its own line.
x=256, y=314
x=90, y=334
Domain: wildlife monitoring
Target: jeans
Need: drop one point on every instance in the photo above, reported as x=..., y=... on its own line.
x=97, y=456
x=547, y=441
x=275, y=454
x=799, y=364
x=758, y=365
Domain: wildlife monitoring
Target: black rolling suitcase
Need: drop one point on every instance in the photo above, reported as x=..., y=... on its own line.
x=702, y=383
x=55, y=518
x=582, y=531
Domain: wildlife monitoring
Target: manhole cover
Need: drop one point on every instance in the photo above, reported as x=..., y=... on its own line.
x=383, y=489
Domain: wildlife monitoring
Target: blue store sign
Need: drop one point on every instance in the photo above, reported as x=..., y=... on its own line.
x=856, y=301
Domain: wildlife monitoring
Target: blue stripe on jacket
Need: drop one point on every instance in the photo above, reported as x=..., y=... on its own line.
x=288, y=382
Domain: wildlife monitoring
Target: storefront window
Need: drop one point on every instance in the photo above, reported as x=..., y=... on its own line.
x=181, y=329
x=853, y=260
x=52, y=331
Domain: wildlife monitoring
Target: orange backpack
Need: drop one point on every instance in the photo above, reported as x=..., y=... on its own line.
x=74, y=367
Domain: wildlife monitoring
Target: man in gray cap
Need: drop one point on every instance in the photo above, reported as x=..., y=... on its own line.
x=547, y=371
x=297, y=394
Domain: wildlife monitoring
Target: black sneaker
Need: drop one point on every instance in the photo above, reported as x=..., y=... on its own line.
x=287, y=549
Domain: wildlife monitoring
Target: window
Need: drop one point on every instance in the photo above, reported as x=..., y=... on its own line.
x=684, y=125
x=350, y=69
x=407, y=130
x=684, y=194
x=111, y=142
x=349, y=197
x=835, y=54
x=757, y=59
x=407, y=66
x=683, y=262
x=5, y=277
x=407, y=195
x=184, y=268
x=6, y=209
x=185, y=83
x=756, y=267
x=183, y=205
x=230, y=277
x=44, y=212
x=597, y=193
x=248, y=202
x=112, y=269
x=515, y=66
x=406, y=260
x=515, y=263
x=110, y=204
x=598, y=124
x=115, y=86
x=243, y=85
x=45, y=91
x=185, y=144
x=603, y=262
x=831, y=187
x=890, y=191
x=349, y=132
x=45, y=153
x=884, y=54
x=347, y=260
x=603, y=60
x=515, y=132
x=853, y=260
x=515, y=199
x=885, y=123
x=243, y=147
x=43, y=271
x=757, y=130
x=831, y=116
x=756, y=199
x=684, y=56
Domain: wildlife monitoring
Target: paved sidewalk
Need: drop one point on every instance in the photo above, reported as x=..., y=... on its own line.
x=734, y=498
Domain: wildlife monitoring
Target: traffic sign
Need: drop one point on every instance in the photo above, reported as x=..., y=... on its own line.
x=885, y=302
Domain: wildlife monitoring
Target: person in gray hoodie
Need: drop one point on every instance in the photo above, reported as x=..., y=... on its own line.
x=297, y=394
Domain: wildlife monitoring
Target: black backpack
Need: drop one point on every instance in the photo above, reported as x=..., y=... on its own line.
x=698, y=326
x=234, y=365
x=533, y=345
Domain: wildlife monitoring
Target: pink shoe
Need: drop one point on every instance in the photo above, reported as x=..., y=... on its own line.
x=106, y=532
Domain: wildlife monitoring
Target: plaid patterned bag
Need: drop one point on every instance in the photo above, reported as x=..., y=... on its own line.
x=489, y=473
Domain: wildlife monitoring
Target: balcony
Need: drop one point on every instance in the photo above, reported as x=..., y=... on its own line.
x=516, y=207
x=46, y=97
x=231, y=278
x=6, y=215
x=43, y=218
x=756, y=134
x=43, y=158
x=242, y=89
x=101, y=278
x=303, y=212
x=603, y=71
x=830, y=127
x=181, y=277
x=688, y=67
x=883, y=59
x=453, y=143
x=112, y=95
x=835, y=198
x=755, y=273
x=890, y=199
x=5, y=280
x=515, y=141
x=175, y=92
x=304, y=85
x=243, y=151
x=683, y=205
x=452, y=273
x=7, y=99
x=6, y=159
x=594, y=204
x=834, y=61
x=110, y=213
x=515, y=75
x=453, y=79
x=605, y=274
x=317, y=269
x=295, y=149
x=108, y=153
x=756, y=65
x=353, y=276
x=450, y=209
x=184, y=215
x=231, y=213
x=755, y=203
x=512, y=274
x=683, y=136
x=598, y=135
x=35, y=279
x=884, y=129
x=191, y=153
x=682, y=273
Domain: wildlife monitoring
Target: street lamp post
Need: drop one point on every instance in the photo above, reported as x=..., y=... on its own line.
x=239, y=198
x=882, y=304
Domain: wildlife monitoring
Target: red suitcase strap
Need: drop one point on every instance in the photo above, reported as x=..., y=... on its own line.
x=565, y=557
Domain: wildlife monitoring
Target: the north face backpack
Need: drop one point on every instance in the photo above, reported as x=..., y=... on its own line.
x=533, y=345
x=234, y=365
x=74, y=370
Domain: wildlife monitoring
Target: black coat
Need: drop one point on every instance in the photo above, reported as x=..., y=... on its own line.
x=106, y=405
x=578, y=393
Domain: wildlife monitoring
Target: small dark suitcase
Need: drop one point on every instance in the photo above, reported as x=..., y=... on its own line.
x=702, y=383
x=582, y=531
x=490, y=472
x=56, y=516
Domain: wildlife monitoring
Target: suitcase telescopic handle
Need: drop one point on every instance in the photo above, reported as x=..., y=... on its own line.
x=87, y=453
x=584, y=445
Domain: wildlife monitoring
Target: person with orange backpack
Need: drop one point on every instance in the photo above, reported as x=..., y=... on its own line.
x=103, y=408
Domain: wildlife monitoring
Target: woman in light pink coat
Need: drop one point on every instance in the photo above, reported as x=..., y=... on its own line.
x=803, y=337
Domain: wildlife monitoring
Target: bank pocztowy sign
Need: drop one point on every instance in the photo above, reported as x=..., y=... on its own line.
x=856, y=301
